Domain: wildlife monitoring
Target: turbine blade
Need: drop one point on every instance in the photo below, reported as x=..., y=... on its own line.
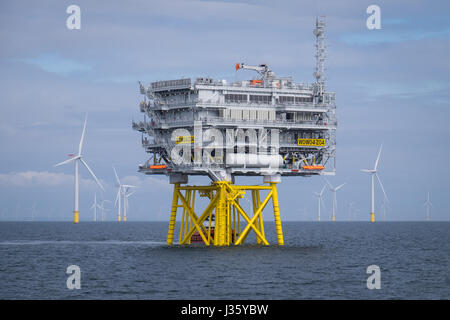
x=117, y=177
x=117, y=197
x=378, y=158
x=66, y=161
x=328, y=182
x=337, y=188
x=92, y=174
x=323, y=189
x=82, y=136
x=366, y=170
x=381, y=185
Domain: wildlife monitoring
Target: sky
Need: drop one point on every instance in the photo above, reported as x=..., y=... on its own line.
x=392, y=88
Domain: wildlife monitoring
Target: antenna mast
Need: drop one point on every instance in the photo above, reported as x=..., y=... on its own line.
x=319, y=74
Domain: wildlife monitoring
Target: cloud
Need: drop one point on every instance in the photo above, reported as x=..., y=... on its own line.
x=404, y=90
x=147, y=182
x=41, y=179
x=375, y=37
x=54, y=63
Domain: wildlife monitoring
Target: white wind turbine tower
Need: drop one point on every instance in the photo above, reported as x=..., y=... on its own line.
x=122, y=189
x=320, y=200
x=333, y=190
x=373, y=173
x=428, y=204
x=76, y=159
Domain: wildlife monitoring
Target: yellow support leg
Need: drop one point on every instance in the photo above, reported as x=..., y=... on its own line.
x=173, y=214
x=276, y=213
x=221, y=217
x=372, y=217
x=76, y=217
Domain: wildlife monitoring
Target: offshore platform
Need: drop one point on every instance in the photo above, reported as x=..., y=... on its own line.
x=268, y=126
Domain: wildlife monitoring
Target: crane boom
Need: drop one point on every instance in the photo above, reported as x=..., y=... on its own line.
x=262, y=69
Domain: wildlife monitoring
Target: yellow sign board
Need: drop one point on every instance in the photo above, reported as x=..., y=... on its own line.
x=184, y=139
x=311, y=142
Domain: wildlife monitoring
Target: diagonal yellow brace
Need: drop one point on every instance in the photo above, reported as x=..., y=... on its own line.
x=202, y=218
x=199, y=221
x=194, y=219
x=250, y=222
x=241, y=237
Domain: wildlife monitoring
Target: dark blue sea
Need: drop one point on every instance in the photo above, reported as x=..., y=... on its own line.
x=131, y=261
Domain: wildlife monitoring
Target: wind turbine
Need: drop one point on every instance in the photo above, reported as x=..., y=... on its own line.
x=320, y=200
x=125, y=203
x=101, y=206
x=76, y=159
x=95, y=206
x=122, y=189
x=333, y=190
x=350, y=210
x=118, y=197
x=373, y=173
x=428, y=204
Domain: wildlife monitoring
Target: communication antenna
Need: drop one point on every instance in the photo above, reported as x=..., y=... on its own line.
x=319, y=74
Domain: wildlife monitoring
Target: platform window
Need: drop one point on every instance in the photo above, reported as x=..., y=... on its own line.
x=260, y=99
x=287, y=99
x=235, y=98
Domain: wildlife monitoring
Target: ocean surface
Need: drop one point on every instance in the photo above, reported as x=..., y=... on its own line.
x=131, y=261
